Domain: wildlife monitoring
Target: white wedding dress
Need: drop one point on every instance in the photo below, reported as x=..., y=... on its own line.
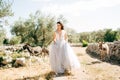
x=62, y=56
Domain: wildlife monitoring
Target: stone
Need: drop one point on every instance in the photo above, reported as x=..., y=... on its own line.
x=7, y=59
x=20, y=61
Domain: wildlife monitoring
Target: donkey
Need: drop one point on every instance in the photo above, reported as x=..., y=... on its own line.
x=104, y=51
x=32, y=51
x=36, y=50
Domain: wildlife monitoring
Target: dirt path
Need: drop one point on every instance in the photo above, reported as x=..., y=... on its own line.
x=91, y=69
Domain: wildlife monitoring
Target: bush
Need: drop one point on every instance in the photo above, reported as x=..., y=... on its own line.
x=15, y=40
x=1, y=59
x=16, y=55
x=2, y=54
x=110, y=35
x=6, y=41
x=84, y=43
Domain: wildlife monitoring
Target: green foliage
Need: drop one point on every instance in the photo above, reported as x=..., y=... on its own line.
x=97, y=36
x=2, y=54
x=110, y=35
x=15, y=40
x=2, y=35
x=118, y=34
x=5, y=8
x=84, y=43
x=6, y=41
x=94, y=36
x=16, y=55
x=107, y=35
x=84, y=36
x=1, y=59
x=73, y=37
x=36, y=30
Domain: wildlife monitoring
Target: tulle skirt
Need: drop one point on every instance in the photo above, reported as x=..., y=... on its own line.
x=62, y=57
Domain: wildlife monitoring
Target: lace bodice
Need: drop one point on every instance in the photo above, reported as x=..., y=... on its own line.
x=60, y=36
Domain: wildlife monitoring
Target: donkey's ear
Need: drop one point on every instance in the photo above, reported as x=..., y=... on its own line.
x=100, y=42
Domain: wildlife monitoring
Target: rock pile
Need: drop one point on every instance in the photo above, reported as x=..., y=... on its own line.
x=93, y=48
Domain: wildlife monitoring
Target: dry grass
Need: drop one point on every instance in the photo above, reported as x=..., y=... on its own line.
x=92, y=69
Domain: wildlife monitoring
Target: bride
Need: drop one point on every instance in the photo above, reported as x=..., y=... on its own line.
x=62, y=57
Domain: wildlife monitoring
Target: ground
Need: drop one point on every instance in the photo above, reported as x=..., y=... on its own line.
x=91, y=69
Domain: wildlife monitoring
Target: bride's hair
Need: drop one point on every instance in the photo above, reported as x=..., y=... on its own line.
x=62, y=27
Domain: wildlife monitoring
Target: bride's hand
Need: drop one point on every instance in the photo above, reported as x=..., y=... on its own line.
x=54, y=42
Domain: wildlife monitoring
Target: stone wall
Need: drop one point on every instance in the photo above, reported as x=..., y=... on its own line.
x=114, y=50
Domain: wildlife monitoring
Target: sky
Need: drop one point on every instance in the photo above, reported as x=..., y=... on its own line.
x=81, y=15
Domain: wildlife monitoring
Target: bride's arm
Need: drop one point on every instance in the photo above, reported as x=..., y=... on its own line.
x=54, y=37
x=66, y=38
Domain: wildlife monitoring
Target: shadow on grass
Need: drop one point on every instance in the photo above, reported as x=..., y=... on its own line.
x=94, y=62
x=46, y=76
x=51, y=75
x=30, y=78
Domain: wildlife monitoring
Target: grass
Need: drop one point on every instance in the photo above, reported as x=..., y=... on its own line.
x=2, y=54
x=79, y=54
x=16, y=55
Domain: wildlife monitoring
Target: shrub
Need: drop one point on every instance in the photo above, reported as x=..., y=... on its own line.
x=15, y=40
x=84, y=43
x=16, y=55
x=6, y=41
x=1, y=59
x=2, y=54
x=110, y=35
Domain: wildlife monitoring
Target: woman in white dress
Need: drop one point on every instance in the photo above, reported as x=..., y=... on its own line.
x=62, y=57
